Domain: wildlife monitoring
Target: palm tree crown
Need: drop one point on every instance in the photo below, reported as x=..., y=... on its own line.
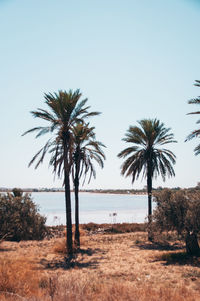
x=144, y=152
x=65, y=111
x=195, y=133
x=86, y=150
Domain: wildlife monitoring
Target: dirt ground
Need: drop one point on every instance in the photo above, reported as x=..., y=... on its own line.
x=128, y=258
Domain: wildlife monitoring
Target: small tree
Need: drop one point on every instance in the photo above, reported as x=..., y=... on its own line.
x=179, y=211
x=20, y=219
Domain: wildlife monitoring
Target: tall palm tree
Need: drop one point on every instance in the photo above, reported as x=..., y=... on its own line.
x=145, y=155
x=195, y=133
x=65, y=110
x=86, y=150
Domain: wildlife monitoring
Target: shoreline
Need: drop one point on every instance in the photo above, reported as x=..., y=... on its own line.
x=95, y=191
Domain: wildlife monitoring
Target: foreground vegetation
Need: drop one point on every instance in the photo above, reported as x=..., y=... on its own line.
x=108, y=267
x=179, y=211
x=20, y=217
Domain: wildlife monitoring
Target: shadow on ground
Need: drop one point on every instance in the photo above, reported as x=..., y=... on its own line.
x=179, y=258
x=5, y=250
x=80, y=260
x=160, y=246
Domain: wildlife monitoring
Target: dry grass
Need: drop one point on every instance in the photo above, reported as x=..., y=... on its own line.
x=107, y=268
x=18, y=278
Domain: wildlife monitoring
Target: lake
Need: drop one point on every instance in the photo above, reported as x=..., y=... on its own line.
x=94, y=207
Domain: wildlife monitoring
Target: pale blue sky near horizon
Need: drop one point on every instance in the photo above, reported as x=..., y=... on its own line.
x=131, y=59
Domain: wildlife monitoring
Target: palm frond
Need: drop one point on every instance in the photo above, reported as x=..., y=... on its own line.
x=43, y=152
x=197, y=150
x=86, y=149
x=195, y=133
x=33, y=130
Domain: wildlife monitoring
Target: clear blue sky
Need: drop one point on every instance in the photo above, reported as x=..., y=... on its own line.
x=132, y=59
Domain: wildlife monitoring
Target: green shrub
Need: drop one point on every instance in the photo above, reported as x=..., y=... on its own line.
x=179, y=211
x=20, y=219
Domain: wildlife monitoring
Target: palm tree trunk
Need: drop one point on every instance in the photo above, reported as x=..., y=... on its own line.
x=77, y=232
x=68, y=210
x=149, y=192
x=76, y=190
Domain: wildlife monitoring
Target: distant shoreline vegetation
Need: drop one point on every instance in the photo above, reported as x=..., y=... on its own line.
x=109, y=191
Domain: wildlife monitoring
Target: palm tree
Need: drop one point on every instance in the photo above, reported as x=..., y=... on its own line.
x=195, y=133
x=86, y=149
x=144, y=155
x=65, y=110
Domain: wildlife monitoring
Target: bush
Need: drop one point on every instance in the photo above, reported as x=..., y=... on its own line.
x=179, y=211
x=20, y=219
x=17, y=192
x=115, y=228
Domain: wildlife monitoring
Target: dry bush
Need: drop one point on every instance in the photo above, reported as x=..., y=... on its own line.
x=60, y=244
x=92, y=226
x=126, y=228
x=115, y=228
x=56, y=231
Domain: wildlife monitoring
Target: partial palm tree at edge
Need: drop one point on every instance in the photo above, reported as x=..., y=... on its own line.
x=195, y=133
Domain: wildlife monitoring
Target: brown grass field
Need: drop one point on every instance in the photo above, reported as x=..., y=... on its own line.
x=108, y=267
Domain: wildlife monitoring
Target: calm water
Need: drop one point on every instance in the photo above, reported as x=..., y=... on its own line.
x=97, y=208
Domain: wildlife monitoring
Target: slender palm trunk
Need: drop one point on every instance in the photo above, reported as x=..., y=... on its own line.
x=76, y=190
x=69, y=243
x=149, y=192
x=77, y=232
